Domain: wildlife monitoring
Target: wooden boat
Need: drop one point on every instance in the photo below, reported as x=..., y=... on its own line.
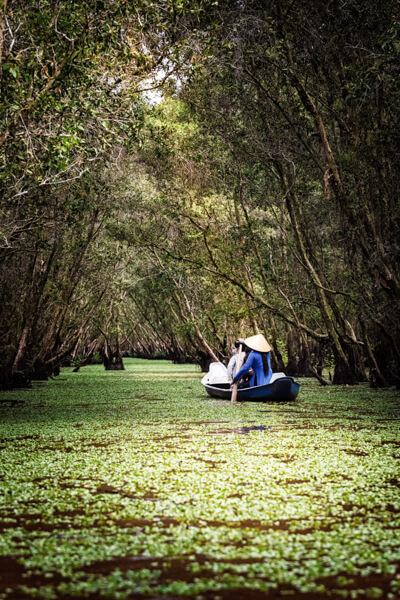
x=281, y=389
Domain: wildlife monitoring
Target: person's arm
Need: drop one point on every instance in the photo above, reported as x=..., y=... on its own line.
x=246, y=367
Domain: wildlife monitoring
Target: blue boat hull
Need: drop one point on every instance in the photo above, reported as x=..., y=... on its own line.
x=282, y=389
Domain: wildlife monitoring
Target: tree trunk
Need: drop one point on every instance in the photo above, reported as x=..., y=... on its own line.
x=112, y=360
x=94, y=346
x=291, y=346
x=3, y=8
x=376, y=379
x=200, y=337
x=345, y=373
x=276, y=357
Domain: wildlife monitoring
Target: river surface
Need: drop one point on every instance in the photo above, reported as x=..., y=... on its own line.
x=137, y=484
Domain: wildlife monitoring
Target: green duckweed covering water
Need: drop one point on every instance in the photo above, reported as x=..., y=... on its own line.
x=135, y=483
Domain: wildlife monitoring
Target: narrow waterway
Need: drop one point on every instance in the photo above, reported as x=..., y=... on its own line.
x=136, y=482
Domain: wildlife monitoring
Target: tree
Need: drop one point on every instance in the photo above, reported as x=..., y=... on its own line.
x=309, y=100
x=66, y=112
x=263, y=199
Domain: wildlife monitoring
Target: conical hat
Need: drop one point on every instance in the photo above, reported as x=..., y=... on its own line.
x=258, y=343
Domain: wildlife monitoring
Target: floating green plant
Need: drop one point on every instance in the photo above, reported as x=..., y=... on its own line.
x=115, y=483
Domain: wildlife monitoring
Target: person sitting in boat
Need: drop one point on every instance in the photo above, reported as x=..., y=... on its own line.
x=259, y=360
x=232, y=365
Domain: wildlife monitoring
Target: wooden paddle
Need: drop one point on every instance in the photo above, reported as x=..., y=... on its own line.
x=235, y=385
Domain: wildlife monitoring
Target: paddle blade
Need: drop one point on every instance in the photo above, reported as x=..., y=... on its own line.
x=234, y=392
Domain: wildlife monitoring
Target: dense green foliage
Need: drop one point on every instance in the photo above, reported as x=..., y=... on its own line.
x=304, y=109
x=62, y=117
x=259, y=194
x=113, y=483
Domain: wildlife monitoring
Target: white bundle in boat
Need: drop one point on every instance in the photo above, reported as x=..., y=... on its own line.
x=218, y=373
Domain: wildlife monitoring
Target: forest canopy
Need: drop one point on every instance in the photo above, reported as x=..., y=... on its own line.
x=177, y=174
